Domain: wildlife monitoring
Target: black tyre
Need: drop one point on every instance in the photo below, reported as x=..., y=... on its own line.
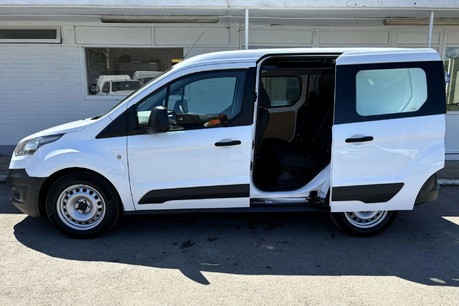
x=82, y=205
x=364, y=223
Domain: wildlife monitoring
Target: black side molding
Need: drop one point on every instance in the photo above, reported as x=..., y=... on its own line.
x=194, y=193
x=366, y=193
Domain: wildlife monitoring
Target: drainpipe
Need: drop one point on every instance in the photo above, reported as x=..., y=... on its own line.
x=246, y=29
x=431, y=22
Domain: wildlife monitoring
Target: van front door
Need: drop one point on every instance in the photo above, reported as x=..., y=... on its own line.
x=388, y=132
x=203, y=161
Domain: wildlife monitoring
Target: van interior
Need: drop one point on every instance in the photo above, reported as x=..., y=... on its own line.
x=294, y=121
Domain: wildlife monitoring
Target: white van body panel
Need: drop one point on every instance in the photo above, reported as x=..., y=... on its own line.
x=71, y=127
x=79, y=149
x=156, y=162
x=353, y=57
x=194, y=150
x=401, y=151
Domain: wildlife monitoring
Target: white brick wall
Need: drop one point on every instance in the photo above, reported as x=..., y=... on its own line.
x=41, y=86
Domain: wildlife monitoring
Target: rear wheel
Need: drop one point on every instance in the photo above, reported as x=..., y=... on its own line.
x=82, y=205
x=364, y=223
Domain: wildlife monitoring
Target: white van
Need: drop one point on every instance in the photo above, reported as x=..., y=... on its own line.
x=356, y=132
x=146, y=76
x=116, y=85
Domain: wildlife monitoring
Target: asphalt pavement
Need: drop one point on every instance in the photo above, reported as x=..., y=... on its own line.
x=231, y=259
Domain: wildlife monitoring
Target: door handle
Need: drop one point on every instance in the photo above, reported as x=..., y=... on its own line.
x=359, y=139
x=227, y=143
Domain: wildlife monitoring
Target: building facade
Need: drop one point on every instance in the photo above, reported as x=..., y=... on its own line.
x=61, y=62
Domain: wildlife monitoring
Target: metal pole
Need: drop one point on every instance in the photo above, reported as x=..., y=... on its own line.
x=247, y=29
x=431, y=22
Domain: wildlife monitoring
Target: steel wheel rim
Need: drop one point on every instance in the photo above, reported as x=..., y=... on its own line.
x=365, y=219
x=81, y=207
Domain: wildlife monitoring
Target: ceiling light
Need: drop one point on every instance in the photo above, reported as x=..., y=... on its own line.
x=409, y=21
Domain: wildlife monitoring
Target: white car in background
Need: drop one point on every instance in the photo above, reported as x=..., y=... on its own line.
x=120, y=85
x=146, y=76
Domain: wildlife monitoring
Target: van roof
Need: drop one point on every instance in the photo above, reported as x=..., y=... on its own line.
x=255, y=55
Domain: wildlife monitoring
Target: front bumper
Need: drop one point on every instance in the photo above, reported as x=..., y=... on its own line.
x=25, y=191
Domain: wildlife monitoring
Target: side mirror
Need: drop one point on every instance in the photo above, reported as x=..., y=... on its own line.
x=158, y=120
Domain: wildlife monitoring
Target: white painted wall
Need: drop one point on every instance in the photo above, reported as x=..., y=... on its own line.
x=41, y=86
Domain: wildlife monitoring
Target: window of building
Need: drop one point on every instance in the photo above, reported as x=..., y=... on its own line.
x=390, y=91
x=120, y=71
x=30, y=35
x=282, y=91
x=452, y=78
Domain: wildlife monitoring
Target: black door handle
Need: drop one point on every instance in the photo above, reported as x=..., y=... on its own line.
x=228, y=143
x=359, y=139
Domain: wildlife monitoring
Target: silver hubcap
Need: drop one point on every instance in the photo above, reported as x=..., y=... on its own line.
x=365, y=219
x=81, y=207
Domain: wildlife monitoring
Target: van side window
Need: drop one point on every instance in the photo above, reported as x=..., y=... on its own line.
x=158, y=98
x=106, y=87
x=202, y=100
x=390, y=91
x=206, y=98
x=282, y=90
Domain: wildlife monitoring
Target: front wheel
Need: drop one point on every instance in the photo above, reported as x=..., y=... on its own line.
x=82, y=205
x=364, y=223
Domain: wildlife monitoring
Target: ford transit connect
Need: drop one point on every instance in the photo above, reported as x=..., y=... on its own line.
x=356, y=132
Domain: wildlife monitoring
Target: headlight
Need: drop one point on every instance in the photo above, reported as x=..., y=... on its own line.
x=30, y=146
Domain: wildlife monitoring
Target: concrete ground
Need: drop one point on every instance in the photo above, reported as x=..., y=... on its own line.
x=202, y=259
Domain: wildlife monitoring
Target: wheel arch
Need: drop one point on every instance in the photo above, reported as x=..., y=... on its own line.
x=61, y=173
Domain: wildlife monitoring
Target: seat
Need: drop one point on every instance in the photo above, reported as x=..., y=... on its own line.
x=181, y=106
x=265, y=171
x=263, y=117
x=309, y=152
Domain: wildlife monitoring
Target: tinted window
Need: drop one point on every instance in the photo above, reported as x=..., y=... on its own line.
x=380, y=91
x=206, y=96
x=390, y=91
x=106, y=88
x=202, y=100
x=158, y=98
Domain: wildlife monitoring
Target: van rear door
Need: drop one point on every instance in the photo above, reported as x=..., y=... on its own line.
x=389, y=126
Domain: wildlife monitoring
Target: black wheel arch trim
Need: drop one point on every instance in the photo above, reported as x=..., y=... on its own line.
x=429, y=191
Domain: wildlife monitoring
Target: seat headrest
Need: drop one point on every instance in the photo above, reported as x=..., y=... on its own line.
x=264, y=100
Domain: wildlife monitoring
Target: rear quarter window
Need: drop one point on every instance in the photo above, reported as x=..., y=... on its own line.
x=390, y=91
x=381, y=91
